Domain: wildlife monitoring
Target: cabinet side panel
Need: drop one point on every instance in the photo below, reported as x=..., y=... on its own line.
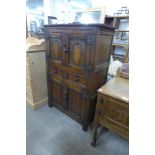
x=100, y=79
x=103, y=49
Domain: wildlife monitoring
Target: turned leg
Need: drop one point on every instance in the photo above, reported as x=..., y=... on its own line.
x=95, y=127
x=93, y=143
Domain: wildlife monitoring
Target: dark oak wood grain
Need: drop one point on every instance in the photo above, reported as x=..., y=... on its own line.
x=77, y=63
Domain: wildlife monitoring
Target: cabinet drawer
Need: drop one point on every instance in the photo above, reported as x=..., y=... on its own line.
x=56, y=71
x=77, y=79
x=113, y=110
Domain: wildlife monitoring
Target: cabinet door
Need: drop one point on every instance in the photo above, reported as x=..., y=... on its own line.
x=75, y=101
x=57, y=92
x=79, y=47
x=56, y=47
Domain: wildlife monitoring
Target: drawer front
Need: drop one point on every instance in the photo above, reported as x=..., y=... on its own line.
x=67, y=75
x=77, y=79
x=56, y=71
x=119, y=115
x=116, y=111
x=113, y=114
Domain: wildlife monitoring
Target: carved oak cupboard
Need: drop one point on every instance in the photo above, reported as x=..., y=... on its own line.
x=77, y=59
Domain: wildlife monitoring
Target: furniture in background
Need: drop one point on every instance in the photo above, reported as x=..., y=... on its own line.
x=123, y=71
x=52, y=19
x=112, y=109
x=90, y=15
x=77, y=57
x=36, y=80
x=120, y=47
x=113, y=68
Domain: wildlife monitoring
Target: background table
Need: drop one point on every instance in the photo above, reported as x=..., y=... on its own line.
x=112, y=109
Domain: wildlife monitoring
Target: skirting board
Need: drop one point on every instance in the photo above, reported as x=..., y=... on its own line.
x=37, y=105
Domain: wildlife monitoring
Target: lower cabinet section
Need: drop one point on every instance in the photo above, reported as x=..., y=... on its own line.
x=72, y=100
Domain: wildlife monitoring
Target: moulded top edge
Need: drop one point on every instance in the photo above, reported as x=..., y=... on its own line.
x=79, y=25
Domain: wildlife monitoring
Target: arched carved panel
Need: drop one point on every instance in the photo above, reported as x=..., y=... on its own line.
x=77, y=52
x=56, y=49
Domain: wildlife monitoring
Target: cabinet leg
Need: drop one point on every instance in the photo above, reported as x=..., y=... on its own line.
x=84, y=128
x=50, y=102
x=50, y=105
x=93, y=143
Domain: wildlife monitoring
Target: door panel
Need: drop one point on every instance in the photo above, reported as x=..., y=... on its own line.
x=78, y=51
x=57, y=92
x=75, y=100
x=56, y=44
x=77, y=55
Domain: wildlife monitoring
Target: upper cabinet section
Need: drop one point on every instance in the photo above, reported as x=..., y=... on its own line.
x=77, y=45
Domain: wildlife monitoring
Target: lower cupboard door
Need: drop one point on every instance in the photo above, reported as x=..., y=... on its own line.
x=57, y=92
x=75, y=103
